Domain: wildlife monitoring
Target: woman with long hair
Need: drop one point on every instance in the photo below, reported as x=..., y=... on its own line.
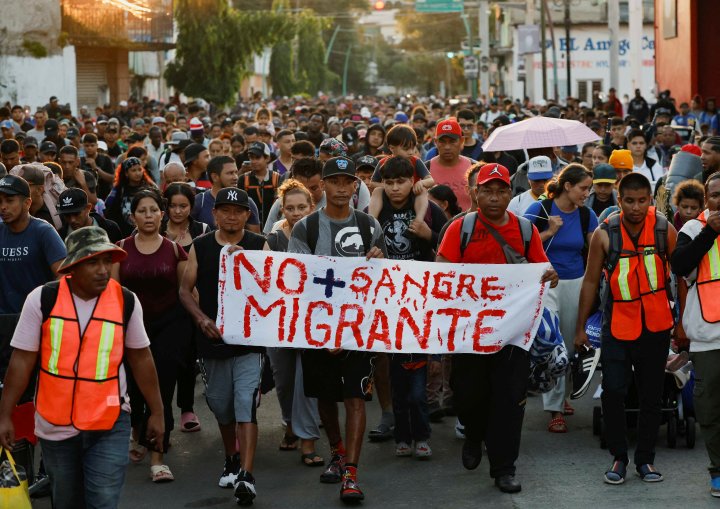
x=445, y=198
x=130, y=178
x=601, y=154
x=566, y=226
x=152, y=270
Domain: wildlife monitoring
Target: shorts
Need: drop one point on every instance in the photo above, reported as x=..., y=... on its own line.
x=232, y=387
x=346, y=375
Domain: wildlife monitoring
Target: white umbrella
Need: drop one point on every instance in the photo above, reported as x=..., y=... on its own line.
x=539, y=132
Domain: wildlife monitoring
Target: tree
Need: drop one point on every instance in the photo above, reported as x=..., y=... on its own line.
x=216, y=44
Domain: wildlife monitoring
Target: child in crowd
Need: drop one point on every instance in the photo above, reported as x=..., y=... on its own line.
x=688, y=199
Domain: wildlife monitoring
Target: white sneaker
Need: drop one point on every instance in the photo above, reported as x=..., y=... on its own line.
x=422, y=450
x=459, y=430
x=402, y=449
x=230, y=472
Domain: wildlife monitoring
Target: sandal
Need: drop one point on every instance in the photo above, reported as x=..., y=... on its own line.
x=568, y=409
x=161, y=473
x=557, y=425
x=289, y=443
x=648, y=473
x=312, y=459
x=616, y=474
x=189, y=422
x=137, y=452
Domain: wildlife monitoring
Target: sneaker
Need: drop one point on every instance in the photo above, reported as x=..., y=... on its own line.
x=230, y=472
x=381, y=433
x=334, y=470
x=715, y=486
x=459, y=430
x=245, y=489
x=583, y=368
x=350, y=492
x=422, y=450
x=402, y=449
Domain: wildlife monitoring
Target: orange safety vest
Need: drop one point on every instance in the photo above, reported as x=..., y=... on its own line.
x=78, y=383
x=637, y=285
x=708, y=281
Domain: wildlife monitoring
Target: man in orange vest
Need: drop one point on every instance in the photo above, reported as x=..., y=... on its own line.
x=632, y=247
x=697, y=258
x=78, y=330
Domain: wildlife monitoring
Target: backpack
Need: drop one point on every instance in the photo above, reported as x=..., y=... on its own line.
x=312, y=226
x=615, y=239
x=512, y=256
x=49, y=294
x=273, y=184
x=53, y=185
x=541, y=222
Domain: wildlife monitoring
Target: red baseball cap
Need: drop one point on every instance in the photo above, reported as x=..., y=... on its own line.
x=448, y=127
x=493, y=171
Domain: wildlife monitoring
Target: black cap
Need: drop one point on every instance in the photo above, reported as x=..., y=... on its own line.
x=72, y=201
x=48, y=146
x=73, y=133
x=364, y=161
x=338, y=166
x=102, y=119
x=10, y=184
x=30, y=141
x=51, y=125
x=193, y=151
x=350, y=136
x=53, y=98
x=232, y=196
x=259, y=148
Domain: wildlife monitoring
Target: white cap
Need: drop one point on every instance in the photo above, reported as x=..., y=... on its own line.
x=102, y=145
x=540, y=168
x=123, y=103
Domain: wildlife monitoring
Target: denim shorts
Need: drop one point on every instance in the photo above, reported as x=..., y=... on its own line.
x=233, y=387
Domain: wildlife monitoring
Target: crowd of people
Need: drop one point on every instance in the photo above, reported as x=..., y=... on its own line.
x=113, y=222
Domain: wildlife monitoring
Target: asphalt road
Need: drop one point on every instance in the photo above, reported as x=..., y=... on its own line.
x=556, y=471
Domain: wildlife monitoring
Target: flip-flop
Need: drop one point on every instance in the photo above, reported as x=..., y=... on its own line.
x=161, y=473
x=289, y=443
x=557, y=425
x=137, y=452
x=311, y=459
x=568, y=409
x=189, y=422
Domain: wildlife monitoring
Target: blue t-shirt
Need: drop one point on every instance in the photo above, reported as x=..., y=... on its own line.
x=564, y=249
x=204, y=203
x=25, y=260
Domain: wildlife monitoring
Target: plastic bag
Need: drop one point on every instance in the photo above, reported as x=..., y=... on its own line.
x=13, y=485
x=593, y=328
x=548, y=354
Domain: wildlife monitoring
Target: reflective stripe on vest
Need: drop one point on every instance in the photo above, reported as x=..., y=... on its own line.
x=78, y=383
x=637, y=285
x=708, y=281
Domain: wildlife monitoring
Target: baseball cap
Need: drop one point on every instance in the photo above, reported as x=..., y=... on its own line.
x=621, y=159
x=259, y=148
x=232, y=196
x=72, y=133
x=51, y=126
x=47, y=147
x=401, y=117
x=196, y=124
x=192, y=152
x=10, y=184
x=448, y=127
x=138, y=122
x=604, y=174
x=338, y=166
x=72, y=201
x=177, y=137
x=159, y=120
x=493, y=171
x=123, y=103
x=365, y=161
x=102, y=145
x=334, y=147
x=114, y=120
x=102, y=119
x=350, y=136
x=570, y=149
x=53, y=98
x=540, y=168
x=86, y=242
x=6, y=124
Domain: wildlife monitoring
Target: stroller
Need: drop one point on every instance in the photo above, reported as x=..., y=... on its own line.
x=678, y=411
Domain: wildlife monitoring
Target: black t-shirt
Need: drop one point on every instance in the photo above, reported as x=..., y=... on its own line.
x=207, y=251
x=115, y=150
x=599, y=206
x=401, y=244
x=262, y=193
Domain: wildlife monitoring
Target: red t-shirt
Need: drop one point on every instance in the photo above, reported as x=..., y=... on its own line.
x=483, y=248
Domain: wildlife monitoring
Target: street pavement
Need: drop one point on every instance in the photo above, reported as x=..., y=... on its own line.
x=556, y=470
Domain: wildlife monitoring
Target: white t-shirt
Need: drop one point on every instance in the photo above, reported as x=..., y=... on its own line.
x=521, y=202
x=27, y=337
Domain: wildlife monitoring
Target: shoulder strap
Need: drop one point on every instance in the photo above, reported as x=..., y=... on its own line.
x=275, y=178
x=128, y=306
x=661, y=232
x=541, y=221
x=48, y=296
x=511, y=255
x=466, y=231
x=584, y=221
x=246, y=181
x=363, y=222
x=614, y=241
x=175, y=248
x=526, y=231
x=312, y=229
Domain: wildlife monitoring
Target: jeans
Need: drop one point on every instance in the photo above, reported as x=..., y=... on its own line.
x=439, y=392
x=409, y=401
x=490, y=397
x=87, y=471
x=707, y=403
x=644, y=359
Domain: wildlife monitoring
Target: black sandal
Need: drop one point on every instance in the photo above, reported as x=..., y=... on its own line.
x=289, y=443
x=311, y=459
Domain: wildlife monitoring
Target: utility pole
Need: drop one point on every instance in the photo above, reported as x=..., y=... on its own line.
x=635, y=36
x=484, y=30
x=614, y=29
x=543, y=44
x=530, y=57
x=568, y=48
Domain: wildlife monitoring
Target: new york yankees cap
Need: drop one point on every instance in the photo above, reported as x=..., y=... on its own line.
x=72, y=201
x=232, y=196
x=493, y=171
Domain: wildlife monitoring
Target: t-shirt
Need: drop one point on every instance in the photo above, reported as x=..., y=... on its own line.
x=27, y=337
x=25, y=260
x=335, y=237
x=483, y=248
x=204, y=204
x=207, y=251
x=401, y=244
x=521, y=202
x=279, y=167
x=453, y=177
x=153, y=277
x=263, y=192
x=564, y=249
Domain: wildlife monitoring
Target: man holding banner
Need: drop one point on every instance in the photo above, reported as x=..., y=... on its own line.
x=333, y=375
x=490, y=390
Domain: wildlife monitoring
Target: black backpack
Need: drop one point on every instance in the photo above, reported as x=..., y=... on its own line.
x=49, y=293
x=312, y=226
x=615, y=239
x=541, y=222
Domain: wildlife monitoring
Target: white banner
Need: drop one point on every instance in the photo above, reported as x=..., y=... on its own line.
x=288, y=300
